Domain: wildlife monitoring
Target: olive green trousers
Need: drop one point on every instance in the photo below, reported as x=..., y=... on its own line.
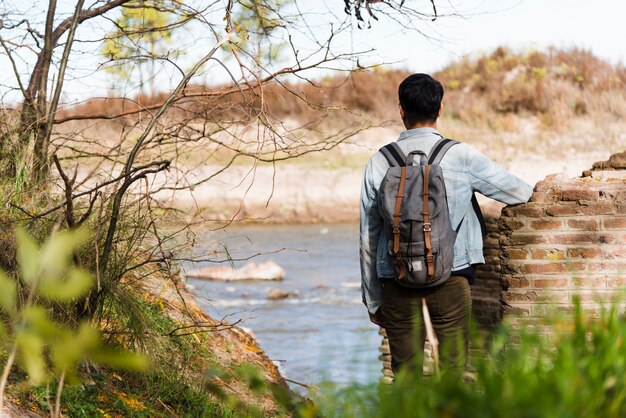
x=449, y=306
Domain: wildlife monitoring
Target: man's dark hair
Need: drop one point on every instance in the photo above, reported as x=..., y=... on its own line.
x=420, y=97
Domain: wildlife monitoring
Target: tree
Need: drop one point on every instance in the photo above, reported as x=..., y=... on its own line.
x=110, y=164
x=258, y=21
x=112, y=181
x=142, y=35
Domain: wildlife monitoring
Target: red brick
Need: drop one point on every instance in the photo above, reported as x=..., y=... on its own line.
x=580, y=238
x=511, y=224
x=514, y=313
x=620, y=196
x=587, y=225
x=559, y=283
x=614, y=223
x=543, y=254
x=592, y=296
x=580, y=194
x=524, y=239
x=586, y=266
x=552, y=296
x=584, y=252
x=564, y=210
x=588, y=283
x=599, y=209
x=538, y=268
x=530, y=210
x=510, y=268
x=614, y=251
x=543, y=186
x=621, y=209
x=515, y=253
x=543, y=224
x=538, y=310
x=544, y=197
x=518, y=283
x=617, y=282
x=519, y=296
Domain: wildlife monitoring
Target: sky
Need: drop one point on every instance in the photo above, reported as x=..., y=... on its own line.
x=521, y=24
x=464, y=27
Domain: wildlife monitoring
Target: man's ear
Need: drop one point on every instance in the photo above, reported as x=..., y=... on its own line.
x=401, y=111
x=440, y=110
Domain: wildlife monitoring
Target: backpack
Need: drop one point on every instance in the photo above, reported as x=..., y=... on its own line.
x=416, y=220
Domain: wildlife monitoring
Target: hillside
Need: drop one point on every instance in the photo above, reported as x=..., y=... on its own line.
x=202, y=368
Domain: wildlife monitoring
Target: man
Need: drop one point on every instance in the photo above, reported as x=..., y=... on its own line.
x=465, y=170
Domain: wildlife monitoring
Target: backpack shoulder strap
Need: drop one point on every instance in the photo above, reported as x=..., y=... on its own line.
x=394, y=154
x=439, y=150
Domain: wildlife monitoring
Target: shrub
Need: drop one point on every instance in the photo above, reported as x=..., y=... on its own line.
x=578, y=372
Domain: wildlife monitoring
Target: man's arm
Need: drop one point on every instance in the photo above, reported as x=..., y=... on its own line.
x=370, y=230
x=493, y=181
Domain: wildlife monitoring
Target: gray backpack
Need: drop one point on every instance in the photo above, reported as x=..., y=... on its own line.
x=412, y=202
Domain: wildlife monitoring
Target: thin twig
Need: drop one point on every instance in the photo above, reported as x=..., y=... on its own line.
x=57, y=405
x=430, y=333
x=5, y=377
x=304, y=385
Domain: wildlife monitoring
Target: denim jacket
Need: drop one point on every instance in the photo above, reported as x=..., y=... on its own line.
x=465, y=171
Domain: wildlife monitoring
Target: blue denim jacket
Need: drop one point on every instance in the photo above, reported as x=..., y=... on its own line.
x=465, y=170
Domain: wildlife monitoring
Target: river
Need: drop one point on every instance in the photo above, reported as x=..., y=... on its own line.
x=321, y=334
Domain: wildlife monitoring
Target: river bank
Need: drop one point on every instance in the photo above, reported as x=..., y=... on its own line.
x=213, y=360
x=325, y=187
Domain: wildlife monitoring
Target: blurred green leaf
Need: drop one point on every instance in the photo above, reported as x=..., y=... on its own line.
x=76, y=284
x=123, y=360
x=30, y=350
x=56, y=253
x=3, y=334
x=36, y=319
x=71, y=349
x=7, y=293
x=27, y=256
x=253, y=377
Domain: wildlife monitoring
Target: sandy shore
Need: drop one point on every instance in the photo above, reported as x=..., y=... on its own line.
x=302, y=193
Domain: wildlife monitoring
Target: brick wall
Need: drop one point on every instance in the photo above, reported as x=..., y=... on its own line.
x=486, y=305
x=570, y=239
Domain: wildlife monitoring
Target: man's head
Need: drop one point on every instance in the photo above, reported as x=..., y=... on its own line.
x=420, y=100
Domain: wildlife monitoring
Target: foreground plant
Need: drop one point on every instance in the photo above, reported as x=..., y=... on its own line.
x=45, y=347
x=576, y=372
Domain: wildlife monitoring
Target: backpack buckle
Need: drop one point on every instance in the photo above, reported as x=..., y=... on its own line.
x=396, y=229
x=427, y=227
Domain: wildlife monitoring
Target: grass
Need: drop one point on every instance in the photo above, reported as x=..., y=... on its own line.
x=178, y=383
x=577, y=372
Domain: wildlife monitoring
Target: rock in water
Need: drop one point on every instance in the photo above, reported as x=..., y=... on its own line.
x=251, y=271
x=279, y=294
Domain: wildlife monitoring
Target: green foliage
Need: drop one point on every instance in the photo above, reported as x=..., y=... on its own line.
x=258, y=24
x=578, y=372
x=253, y=378
x=142, y=34
x=44, y=347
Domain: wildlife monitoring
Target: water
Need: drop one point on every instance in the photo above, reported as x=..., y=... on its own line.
x=321, y=334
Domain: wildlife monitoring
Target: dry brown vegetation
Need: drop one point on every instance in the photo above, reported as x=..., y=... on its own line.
x=518, y=108
x=554, y=85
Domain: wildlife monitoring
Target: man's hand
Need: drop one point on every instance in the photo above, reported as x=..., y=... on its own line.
x=378, y=318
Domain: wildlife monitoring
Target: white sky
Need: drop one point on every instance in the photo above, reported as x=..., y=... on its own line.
x=596, y=25
x=483, y=25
